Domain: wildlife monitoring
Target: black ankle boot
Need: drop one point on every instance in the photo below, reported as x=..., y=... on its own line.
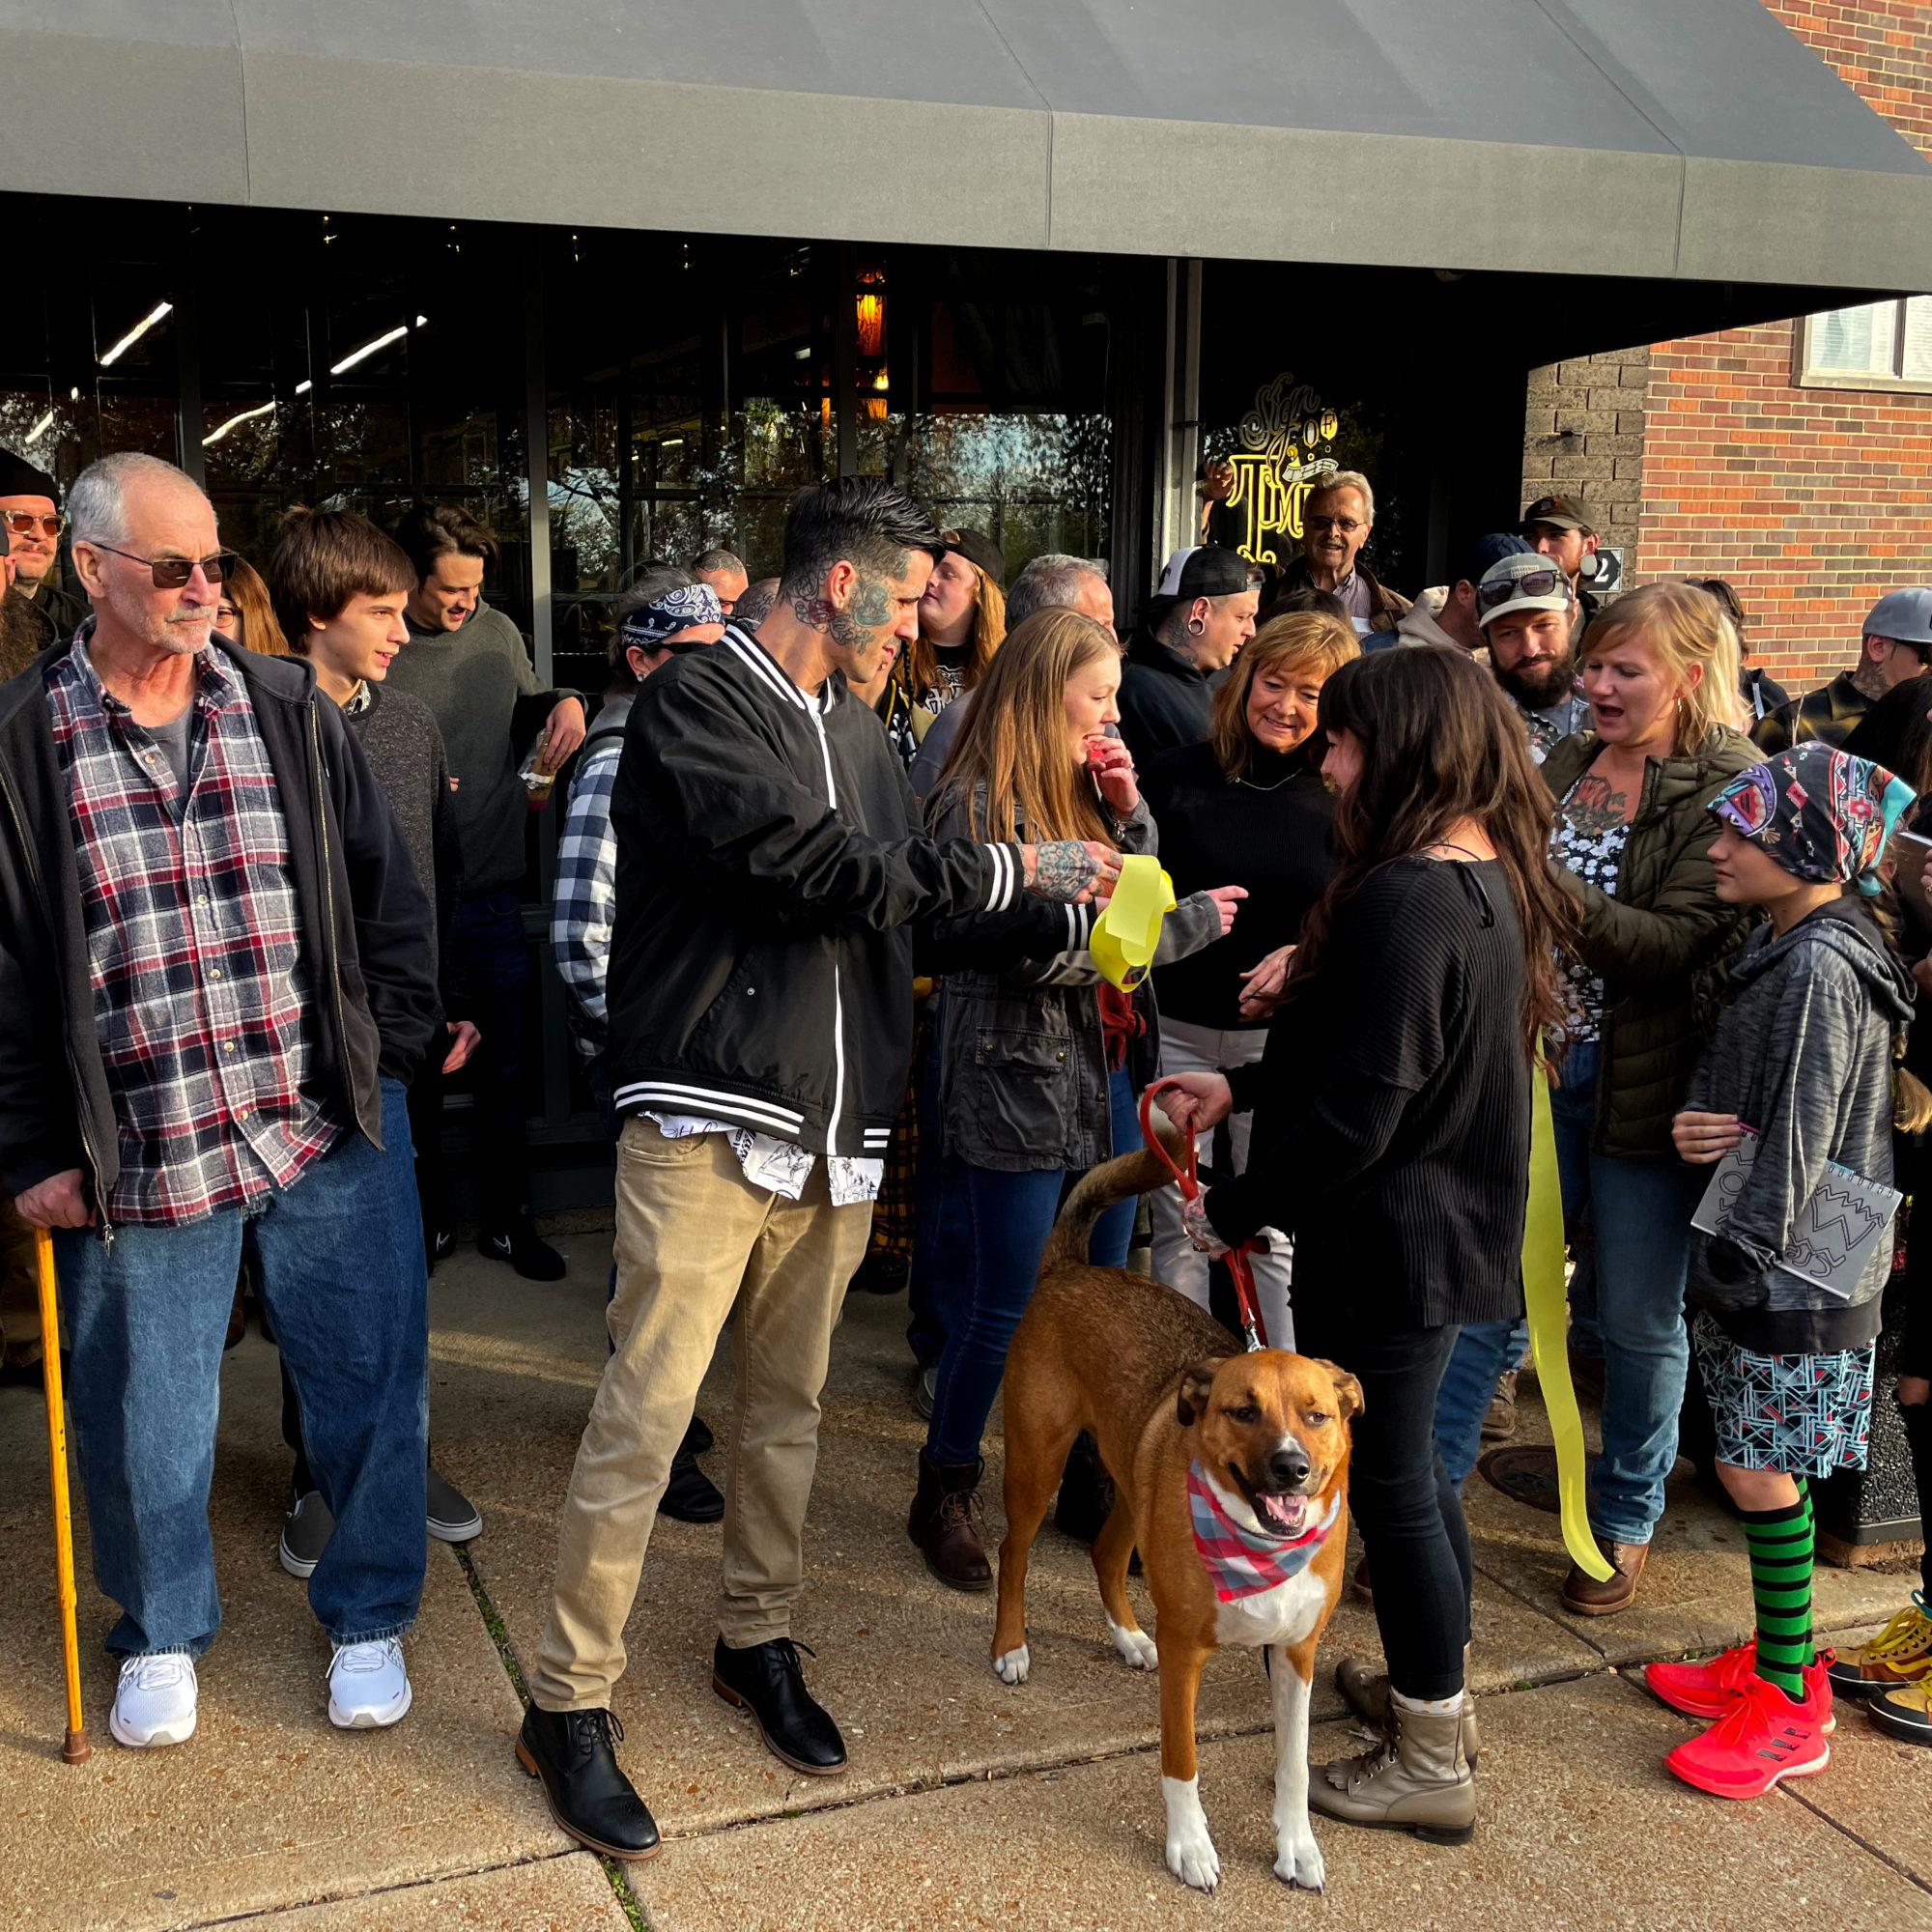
x=571, y=1755
x=767, y=1681
x=691, y=1496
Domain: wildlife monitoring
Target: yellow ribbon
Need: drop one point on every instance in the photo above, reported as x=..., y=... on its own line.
x=1549, y=1305
x=1126, y=933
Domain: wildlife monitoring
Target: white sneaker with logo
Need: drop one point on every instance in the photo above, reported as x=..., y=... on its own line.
x=368, y=1688
x=155, y=1702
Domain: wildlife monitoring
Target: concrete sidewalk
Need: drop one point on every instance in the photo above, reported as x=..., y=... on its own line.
x=967, y=1804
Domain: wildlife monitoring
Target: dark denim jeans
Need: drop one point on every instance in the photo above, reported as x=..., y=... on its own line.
x=1641, y=1211
x=496, y=957
x=994, y=1226
x=340, y=1262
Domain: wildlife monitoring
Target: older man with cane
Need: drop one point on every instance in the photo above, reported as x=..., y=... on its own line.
x=214, y=982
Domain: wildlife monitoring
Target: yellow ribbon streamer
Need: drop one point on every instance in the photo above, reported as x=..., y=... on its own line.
x=1549, y=1304
x=1126, y=933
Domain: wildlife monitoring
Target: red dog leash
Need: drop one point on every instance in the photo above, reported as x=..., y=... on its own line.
x=1188, y=1182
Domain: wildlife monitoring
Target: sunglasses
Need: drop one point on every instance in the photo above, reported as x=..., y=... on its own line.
x=1531, y=583
x=172, y=573
x=22, y=521
x=1322, y=526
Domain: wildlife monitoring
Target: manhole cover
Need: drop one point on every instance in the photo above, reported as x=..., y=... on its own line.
x=1525, y=1471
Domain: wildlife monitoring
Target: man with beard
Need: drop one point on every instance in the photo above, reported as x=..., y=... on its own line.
x=1527, y=612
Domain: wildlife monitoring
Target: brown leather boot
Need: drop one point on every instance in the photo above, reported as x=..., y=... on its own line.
x=1588, y=1598
x=945, y=1522
x=1416, y=1778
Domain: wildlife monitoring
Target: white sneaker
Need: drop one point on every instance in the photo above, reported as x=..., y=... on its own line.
x=155, y=1703
x=368, y=1688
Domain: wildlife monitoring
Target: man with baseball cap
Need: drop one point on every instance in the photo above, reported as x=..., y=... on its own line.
x=1195, y=621
x=1447, y=613
x=1527, y=612
x=1564, y=528
x=30, y=508
x=1897, y=645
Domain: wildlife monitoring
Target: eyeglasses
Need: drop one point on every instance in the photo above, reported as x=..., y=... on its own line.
x=1531, y=583
x=172, y=573
x=22, y=523
x=1347, y=526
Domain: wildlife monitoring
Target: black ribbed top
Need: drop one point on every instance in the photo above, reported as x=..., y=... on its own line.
x=1391, y=1134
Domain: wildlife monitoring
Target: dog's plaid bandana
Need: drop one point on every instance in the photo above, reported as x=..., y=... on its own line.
x=1239, y=1562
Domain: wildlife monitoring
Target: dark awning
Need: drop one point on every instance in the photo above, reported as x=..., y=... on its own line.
x=1662, y=138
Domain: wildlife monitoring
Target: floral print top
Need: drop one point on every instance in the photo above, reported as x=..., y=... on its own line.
x=1588, y=840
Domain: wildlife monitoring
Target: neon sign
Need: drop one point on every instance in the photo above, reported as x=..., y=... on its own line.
x=1277, y=464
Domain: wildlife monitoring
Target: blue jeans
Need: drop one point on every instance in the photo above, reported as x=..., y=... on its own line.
x=1482, y=1351
x=982, y=1276
x=496, y=959
x=340, y=1262
x=1642, y=1211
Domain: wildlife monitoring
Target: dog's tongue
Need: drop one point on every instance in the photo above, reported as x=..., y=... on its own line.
x=1286, y=1514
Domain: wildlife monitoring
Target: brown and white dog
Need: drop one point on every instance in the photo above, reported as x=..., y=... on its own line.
x=1154, y=1379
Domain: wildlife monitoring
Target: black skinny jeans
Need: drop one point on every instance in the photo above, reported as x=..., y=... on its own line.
x=1398, y=1493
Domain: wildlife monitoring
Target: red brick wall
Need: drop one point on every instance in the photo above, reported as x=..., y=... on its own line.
x=1812, y=501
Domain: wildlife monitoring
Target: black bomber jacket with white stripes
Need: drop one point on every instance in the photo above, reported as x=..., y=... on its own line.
x=774, y=893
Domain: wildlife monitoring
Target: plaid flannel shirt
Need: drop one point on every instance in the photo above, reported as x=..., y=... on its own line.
x=584, y=907
x=194, y=948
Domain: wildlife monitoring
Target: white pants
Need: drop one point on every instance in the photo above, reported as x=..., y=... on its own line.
x=1197, y=1050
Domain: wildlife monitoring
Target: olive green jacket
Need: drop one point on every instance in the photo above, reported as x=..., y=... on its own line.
x=1662, y=946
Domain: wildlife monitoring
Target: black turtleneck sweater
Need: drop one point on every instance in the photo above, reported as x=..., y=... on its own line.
x=1269, y=832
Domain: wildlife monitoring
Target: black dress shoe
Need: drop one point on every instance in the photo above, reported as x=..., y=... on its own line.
x=691, y=1496
x=573, y=1755
x=767, y=1681
x=699, y=1439
x=518, y=1244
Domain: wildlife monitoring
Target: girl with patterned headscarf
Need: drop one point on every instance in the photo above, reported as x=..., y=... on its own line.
x=1800, y=1078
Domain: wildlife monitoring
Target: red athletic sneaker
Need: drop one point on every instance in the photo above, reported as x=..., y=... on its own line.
x=1762, y=1738
x=1710, y=1689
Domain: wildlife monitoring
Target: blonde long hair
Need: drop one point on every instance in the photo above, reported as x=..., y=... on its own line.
x=919, y=671
x=1685, y=626
x=1295, y=641
x=1011, y=759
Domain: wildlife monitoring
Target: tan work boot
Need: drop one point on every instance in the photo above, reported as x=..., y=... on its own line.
x=1417, y=1778
x=1367, y=1693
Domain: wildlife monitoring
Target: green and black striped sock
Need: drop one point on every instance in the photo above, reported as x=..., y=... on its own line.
x=1780, y=1545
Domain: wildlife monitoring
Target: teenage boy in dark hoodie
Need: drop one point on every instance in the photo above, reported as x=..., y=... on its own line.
x=1802, y=1061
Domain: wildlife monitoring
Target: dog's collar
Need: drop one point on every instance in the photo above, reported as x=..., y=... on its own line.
x=1241, y=1562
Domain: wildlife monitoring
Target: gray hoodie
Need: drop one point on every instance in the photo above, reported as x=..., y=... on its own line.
x=1802, y=1055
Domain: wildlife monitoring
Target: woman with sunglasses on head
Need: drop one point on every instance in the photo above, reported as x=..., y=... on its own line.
x=962, y=618
x=1247, y=806
x=1040, y=1065
x=1642, y=986
x=1391, y=1141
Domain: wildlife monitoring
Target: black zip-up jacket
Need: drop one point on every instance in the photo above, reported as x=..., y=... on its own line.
x=771, y=872
x=365, y=926
x=1165, y=699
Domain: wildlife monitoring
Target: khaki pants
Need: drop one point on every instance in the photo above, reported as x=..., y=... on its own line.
x=694, y=1240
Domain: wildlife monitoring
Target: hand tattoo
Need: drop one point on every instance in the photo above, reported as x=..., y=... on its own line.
x=1593, y=807
x=1066, y=869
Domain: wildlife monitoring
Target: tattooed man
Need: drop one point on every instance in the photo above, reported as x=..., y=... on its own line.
x=772, y=885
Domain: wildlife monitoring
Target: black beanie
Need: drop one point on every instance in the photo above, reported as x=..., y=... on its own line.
x=19, y=479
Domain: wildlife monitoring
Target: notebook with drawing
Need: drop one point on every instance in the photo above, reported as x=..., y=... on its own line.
x=1835, y=1232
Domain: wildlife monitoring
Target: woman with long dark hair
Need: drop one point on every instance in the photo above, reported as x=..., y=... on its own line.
x=1391, y=1141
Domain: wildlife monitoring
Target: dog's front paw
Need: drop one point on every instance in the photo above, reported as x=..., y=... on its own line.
x=1191, y=1856
x=1135, y=1647
x=1297, y=1860
x=1012, y=1666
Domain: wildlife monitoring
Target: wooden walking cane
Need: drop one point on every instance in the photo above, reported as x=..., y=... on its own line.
x=77, y=1750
